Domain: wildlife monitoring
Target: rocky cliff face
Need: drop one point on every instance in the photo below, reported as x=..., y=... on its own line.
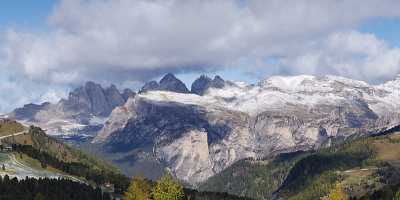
x=197, y=136
x=127, y=93
x=93, y=99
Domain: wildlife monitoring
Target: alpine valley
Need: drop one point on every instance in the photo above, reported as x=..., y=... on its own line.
x=220, y=129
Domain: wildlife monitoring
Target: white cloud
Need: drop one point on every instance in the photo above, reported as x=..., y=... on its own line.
x=125, y=41
x=351, y=54
x=146, y=38
x=15, y=91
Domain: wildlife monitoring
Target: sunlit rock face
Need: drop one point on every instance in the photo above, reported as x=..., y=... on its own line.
x=196, y=135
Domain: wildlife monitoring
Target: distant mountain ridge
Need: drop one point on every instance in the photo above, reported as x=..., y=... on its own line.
x=196, y=134
x=86, y=105
x=168, y=83
x=203, y=83
x=93, y=99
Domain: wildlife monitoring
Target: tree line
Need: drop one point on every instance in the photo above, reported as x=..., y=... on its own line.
x=120, y=181
x=166, y=188
x=47, y=189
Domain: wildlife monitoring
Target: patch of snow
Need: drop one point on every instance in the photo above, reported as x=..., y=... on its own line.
x=277, y=92
x=167, y=96
x=97, y=120
x=290, y=83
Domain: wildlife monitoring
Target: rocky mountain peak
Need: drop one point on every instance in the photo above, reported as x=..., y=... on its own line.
x=149, y=86
x=168, y=78
x=127, y=93
x=168, y=83
x=92, y=98
x=218, y=82
x=114, y=97
x=28, y=110
x=203, y=83
x=91, y=84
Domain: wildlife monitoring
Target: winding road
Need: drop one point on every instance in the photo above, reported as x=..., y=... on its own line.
x=21, y=170
x=15, y=134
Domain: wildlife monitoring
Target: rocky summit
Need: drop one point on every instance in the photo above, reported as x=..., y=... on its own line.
x=168, y=83
x=87, y=105
x=203, y=83
x=93, y=99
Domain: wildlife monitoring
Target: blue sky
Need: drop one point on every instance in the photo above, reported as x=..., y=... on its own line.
x=30, y=14
x=129, y=42
x=387, y=29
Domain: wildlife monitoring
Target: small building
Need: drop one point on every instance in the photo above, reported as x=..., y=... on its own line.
x=110, y=189
x=107, y=188
x=5, y=148
x=8, y=148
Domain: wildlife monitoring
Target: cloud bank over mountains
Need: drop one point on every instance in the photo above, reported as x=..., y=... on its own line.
x=123, y=41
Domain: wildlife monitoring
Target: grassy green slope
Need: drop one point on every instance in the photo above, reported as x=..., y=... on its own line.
x=53, y=154
x=365, y=167
x=254, y=179
x=8, y=127
x=315, y=175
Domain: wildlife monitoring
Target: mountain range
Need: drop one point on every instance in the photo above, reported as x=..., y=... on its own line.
x=197, y=133
x=86, y=107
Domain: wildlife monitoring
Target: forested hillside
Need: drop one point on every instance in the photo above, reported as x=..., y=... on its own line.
x=254, y=178
x=47, y=189
x=363, y=168
x=52, y=153
x=36, y=149
x=8, y=127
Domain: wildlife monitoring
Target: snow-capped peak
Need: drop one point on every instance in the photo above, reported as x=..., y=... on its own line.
x=393, y=85
x=309, y=83
x=286, y=82
x=278, y=92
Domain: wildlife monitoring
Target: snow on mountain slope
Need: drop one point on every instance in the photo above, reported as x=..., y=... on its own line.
x=276, y=92
x=284, y=94
x=83, y=112
x=238, y=120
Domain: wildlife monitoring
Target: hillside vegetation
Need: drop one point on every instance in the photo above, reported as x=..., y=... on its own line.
x=38, y=150
x=8, y=127
x=47, y=189
x=254, y=178
x=364, y=168
x=53, y=154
